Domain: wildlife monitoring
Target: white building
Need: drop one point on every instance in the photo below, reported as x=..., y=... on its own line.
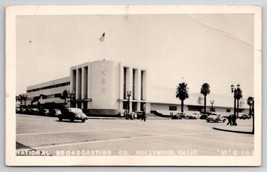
x=101, y=87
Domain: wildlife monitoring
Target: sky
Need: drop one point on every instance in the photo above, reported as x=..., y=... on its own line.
x=213, y=48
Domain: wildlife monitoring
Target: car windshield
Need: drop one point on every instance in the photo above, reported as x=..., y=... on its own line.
x=75, y=110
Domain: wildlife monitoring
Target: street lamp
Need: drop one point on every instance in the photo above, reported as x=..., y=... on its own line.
x=128, y=95
x=251, y=111
x=237, y=95
x=71, y=96
x=212, y=102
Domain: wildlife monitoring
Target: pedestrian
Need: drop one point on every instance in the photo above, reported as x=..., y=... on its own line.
x=143, y=116
x=234, y=120
x=229, y=118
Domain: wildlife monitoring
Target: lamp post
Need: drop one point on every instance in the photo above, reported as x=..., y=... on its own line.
x=129, y=95
x=71, y=96
x=212, y=102
x=237, y=95
x=251, y=112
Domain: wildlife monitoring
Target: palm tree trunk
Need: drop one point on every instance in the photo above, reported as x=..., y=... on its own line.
x=253, y=125
x=182, y=106
x=205, y=103
x=237, y=108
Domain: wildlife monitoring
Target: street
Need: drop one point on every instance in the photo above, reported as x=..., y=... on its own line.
x=113, y=136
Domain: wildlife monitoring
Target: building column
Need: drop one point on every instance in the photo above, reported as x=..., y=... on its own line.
x=138, y=106
x=144, y=85
x=88, y=85
x=82, y=84
x=130, y=85
x=138, y=85
x=120, y=97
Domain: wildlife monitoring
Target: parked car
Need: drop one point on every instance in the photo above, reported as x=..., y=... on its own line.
x=215, y=118
x=34, y=111
x=73, y=114
x=191, y=116
x=176, y=117
x=55, y=112
x=180, y=115
x=45, y=112
x=17, y=110
x=204, y=115
x=243, y=116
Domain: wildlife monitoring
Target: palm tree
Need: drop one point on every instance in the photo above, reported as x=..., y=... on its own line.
x=21, y=98
x=205, y=90
x=64, y=95
x=182, y=93
x=250, y=102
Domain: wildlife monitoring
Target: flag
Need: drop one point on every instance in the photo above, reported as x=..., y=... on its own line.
x=102, y=38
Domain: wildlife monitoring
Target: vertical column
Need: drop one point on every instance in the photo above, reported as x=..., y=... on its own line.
x=82, y=83
x=120, y=97
x=138, y=106
x=88, y=84
x=77, y=87
x=143, y=85
x=130, y=85
x=138, y=85
x=76, y=84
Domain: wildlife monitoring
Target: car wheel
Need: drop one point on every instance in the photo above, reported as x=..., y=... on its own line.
x=83, y=120
x=72, y=119
x=60, y=119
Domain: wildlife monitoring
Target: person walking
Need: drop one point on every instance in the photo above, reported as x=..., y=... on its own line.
x=143, y=116
x=230, y=119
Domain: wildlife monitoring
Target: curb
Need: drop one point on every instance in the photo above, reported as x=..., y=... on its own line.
x=233, y=131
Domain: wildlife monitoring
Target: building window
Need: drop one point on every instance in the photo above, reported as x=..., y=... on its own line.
x=228, y=110
x=173, y=108
x=49, y=87
x=194, y=108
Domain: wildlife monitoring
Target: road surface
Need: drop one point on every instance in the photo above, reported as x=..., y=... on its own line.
x=113, y=136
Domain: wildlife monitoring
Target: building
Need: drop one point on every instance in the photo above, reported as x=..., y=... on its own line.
x=99, y=86
x=107, y=87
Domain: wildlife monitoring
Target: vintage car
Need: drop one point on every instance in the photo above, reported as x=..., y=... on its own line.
x=181, y=115
x=55, y=112
x=45, y=112
x=213, y=117
x=243, y=116
x=34, y=111
x=72, y=114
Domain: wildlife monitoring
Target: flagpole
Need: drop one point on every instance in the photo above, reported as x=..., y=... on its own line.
x=102, y=39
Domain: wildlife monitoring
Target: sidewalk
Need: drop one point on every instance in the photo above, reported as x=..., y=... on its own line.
x=243, y=128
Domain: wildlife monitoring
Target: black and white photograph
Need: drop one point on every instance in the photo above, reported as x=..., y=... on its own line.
x=133, y=85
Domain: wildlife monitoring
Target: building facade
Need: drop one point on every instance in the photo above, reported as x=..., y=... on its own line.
x=102, y=87
x=51, y=91
x=107, y=87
